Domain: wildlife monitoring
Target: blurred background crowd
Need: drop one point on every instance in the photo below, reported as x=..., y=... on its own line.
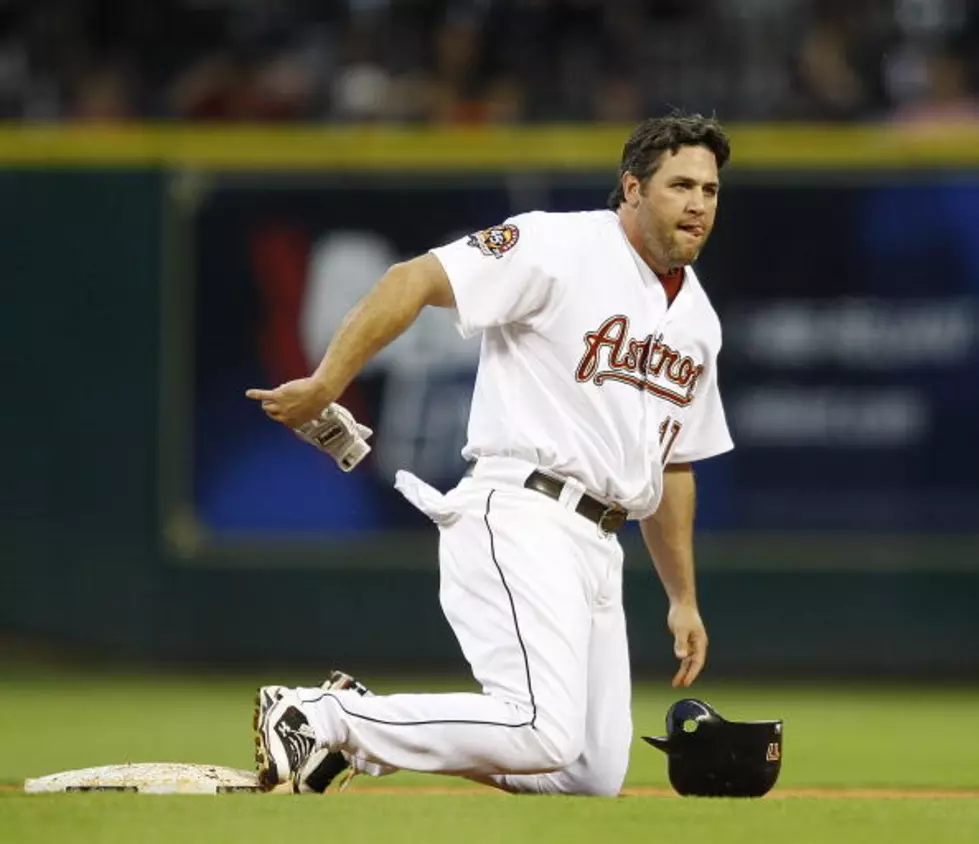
x=487, y=61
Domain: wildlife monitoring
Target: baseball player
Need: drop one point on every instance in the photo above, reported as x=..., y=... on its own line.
x=596, y=391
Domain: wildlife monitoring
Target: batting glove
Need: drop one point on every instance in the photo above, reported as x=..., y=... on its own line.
x=338, y=434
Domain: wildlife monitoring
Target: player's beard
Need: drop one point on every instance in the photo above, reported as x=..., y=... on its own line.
x=669, y=245
x=683, y=249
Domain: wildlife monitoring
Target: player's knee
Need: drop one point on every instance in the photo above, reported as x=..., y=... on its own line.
x=559, y=746
x=602, y=780
x=601, y=771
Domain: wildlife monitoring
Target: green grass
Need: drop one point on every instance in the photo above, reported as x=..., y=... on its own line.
x=124, y=819
x=836, y=736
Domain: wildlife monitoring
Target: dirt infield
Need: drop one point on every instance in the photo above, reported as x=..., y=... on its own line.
x=777, y=794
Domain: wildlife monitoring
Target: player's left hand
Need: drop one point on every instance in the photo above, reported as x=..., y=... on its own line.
x=690, y=642
x=293, y=403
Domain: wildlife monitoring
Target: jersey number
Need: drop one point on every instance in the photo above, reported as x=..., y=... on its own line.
x=668, y=433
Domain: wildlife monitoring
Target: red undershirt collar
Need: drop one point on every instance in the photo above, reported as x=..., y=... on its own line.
x=672, y=282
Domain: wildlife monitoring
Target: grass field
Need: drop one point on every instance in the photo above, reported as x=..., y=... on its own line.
x=884, y=764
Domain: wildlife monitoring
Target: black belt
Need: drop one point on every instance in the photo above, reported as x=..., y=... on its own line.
x=608, y=517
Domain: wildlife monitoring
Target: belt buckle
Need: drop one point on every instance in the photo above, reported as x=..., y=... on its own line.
x=612, y=518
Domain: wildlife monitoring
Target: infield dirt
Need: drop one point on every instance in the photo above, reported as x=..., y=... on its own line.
x=777, y=794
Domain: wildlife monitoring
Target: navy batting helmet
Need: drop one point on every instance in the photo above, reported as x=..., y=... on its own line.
x=711, y=757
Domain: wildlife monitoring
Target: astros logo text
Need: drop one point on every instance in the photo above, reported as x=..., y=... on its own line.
x=635, y=362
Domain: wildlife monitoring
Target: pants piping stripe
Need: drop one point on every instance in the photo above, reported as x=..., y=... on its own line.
x=523, y=649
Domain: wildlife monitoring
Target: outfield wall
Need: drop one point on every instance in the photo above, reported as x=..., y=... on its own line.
x=147, y=508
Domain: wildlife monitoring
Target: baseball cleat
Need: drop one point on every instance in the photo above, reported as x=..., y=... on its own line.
x=265, y=697
x=283, y=735
x=321, y=767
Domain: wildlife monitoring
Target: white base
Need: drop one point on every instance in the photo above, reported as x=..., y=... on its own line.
x=148, y=778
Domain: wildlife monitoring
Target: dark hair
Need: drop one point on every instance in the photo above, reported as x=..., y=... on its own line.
x=643, y=151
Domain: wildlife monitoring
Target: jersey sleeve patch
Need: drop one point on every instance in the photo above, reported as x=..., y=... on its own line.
x=495, y=241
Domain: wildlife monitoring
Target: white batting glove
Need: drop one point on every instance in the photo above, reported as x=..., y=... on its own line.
x=338, y=434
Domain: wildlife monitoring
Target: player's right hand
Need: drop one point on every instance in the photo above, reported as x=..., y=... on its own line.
x=294, y=402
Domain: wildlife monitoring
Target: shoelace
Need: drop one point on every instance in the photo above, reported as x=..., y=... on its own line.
x=348, y=775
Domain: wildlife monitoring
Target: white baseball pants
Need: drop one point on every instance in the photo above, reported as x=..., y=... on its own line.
x=533, y=592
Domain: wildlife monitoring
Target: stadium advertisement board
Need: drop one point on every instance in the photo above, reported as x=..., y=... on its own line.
x=849, y=372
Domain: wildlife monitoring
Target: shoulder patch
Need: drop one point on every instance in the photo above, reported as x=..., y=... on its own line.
x=496, y=240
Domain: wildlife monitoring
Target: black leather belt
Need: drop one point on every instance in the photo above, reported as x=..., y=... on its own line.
x=608, y=517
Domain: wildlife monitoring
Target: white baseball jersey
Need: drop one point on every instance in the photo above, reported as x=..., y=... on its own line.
x=586, y=369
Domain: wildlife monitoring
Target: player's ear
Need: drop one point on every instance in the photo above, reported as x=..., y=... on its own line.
x=631, y=189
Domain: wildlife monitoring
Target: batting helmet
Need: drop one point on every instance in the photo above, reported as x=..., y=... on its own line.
x=711, y=757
